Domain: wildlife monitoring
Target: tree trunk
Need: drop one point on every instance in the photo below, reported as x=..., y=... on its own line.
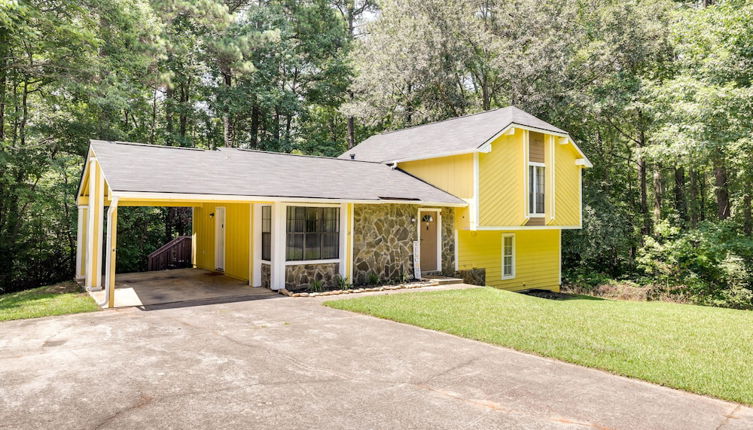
x=182, y=114
x=169, y=128
x=351, y=132
x=153, y=126
x=255, y=114
x=3, y=79
x=680, y=202
x=646, y=228
x=747, y=218
x=227, y=121
x=721, y=190
x=658, y=192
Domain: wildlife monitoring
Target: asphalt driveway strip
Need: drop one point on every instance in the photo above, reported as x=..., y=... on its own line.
x=291, y=363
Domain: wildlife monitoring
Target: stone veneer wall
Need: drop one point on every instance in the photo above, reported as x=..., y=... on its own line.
x=266, y=275
x=299, y=276
x=383, y=237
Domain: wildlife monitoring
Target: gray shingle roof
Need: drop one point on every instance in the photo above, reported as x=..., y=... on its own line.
x=444, y=137
x=137, y=167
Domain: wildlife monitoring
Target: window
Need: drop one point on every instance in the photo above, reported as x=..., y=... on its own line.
x=536, y=189
x=266, y=233
x=313, y=233
x=508, y=256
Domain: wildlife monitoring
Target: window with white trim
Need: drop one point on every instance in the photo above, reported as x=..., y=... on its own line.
x=536, y=189
x=313, y=233
x=508, y=256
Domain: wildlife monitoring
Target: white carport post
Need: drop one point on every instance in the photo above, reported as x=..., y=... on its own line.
x=277, y=271
x=94, y=227
x=112, y=244
x=80, y=242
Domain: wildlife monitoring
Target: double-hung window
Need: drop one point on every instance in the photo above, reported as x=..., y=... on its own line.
x=536, y=189
x=266, y=233
x=313, y=233
x=508, y=256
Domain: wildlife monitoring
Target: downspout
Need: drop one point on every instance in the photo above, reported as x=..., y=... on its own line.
x=108, y=259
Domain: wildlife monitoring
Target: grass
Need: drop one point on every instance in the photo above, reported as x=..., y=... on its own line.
x=699, y=349
x=58, y=299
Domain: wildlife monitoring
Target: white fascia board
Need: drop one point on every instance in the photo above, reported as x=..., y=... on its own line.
x=146, y=196
x=524, y=227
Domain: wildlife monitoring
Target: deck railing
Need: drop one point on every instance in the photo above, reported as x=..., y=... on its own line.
x=172, y=255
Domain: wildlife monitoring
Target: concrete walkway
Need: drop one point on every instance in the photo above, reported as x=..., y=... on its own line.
x=289, y=363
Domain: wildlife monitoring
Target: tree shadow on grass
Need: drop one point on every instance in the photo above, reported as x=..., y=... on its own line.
x=551, y=295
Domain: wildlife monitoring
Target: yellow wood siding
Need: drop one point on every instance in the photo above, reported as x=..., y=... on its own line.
x=237, y=232
x=567, y=187
x=501, y=187
x=537, y=257
x=453, y=174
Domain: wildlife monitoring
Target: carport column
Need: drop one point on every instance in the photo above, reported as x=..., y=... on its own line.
x=277, y=275
x=81, y=242
x=112, y=243
x=94, y=227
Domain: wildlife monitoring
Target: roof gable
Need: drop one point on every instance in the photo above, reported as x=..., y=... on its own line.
x=448, y=137
x=132, y=167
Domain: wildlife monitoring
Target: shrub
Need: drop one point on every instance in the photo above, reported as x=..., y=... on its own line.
x=709, y=263
x=372, y=279
x=316, y=286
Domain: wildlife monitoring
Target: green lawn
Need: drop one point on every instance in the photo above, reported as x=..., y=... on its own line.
x=58, y=299
x=700, y=349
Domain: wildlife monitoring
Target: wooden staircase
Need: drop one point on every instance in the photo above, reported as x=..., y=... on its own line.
x=172, y=255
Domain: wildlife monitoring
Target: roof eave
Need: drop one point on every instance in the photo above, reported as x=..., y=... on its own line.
x=188, y=197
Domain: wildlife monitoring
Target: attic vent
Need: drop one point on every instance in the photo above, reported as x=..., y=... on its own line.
x=352, y=156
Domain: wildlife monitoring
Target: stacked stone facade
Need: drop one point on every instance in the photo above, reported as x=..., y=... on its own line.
x=383, y=237
x=300, y=276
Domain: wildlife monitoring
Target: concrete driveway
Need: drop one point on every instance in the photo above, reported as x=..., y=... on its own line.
x=288, y=363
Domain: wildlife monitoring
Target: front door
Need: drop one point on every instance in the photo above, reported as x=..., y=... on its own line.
x=428, y=237
x=219, y=236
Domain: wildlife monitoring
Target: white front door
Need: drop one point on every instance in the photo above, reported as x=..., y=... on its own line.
x=219, y=238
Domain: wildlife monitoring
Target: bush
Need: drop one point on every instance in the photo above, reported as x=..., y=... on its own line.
x=709, y=263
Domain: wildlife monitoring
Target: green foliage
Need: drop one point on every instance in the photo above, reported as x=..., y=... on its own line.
x=343, y=284
x=711, y=262
x=372, y=279
x=59, y=299
x=316, y=286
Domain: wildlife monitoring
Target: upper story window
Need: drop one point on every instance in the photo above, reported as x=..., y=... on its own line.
x=313, y=233
x=536, y=189
x=536, y=174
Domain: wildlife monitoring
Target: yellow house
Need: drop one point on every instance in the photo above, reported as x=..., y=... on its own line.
x=520, y=177
x=490, y=192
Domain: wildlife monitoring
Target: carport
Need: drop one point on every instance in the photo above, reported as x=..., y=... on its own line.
x=176, y=286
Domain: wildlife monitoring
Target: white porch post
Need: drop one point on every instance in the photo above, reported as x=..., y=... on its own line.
x=112, y=240
x=94, y=227
x=256, y=244
x=344, y=229
x=277, y=276
x=80, y=245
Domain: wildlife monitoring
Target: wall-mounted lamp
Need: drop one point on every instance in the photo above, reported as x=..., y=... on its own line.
x=413, y=220
x=211, y=214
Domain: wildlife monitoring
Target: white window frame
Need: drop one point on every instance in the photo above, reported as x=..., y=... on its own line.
x=532, y=193
x=512, y=275
x=341, y=236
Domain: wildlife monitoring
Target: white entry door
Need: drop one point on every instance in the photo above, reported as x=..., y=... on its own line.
x=219, y=238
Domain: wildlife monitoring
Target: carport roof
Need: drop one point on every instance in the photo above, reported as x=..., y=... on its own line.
x=134, y=167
